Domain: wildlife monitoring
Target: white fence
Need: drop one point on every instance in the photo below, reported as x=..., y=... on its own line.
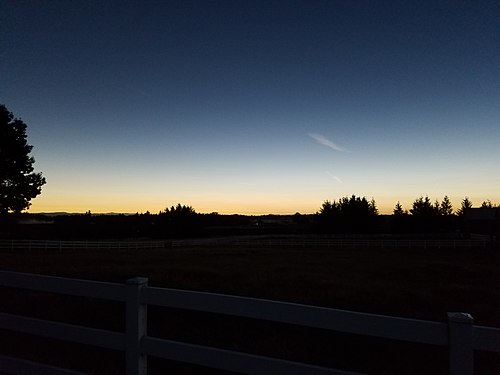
x=74, y=245
x=245, y=241
x=294, y=242
x=459, y=334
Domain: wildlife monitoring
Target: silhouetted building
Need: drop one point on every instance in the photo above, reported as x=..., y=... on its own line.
x=485, y=221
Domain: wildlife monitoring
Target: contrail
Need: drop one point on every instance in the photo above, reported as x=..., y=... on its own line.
x=322, y=140
x=335, y=177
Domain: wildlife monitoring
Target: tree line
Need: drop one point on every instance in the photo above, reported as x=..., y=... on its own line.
x=359, y=207
x=424, y=207
x=359, y=215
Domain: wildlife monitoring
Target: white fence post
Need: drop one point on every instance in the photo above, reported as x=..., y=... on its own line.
x=461, y=343
x=136, y=327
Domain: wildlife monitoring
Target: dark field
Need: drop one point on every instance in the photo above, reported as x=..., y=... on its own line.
x=415, y=283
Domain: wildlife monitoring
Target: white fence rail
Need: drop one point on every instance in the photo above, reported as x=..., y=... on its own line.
x=74, y=245
x=284, y=242
x=332, y=243
x=459, y=334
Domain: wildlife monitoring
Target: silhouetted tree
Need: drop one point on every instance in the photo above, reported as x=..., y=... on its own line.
x=329, y=209
x=349, y=214
x=401, y=220
x=436, y=207
x=398, y=210
x=466, y=203
x=179, y=211
x=18, y=183
x=180, y=220
x=425, y=215
x=446, y=221
x=487, y=204
x=422, y=207
x=445, y=208
x=372, y=207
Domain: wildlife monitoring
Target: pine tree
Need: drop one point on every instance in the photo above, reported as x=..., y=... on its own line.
x=445, y=208
x=487, y=204
x=423, y=207
x=466, y=203
x=398, y=210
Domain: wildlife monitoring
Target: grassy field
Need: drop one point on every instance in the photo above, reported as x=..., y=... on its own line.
x=416, y=283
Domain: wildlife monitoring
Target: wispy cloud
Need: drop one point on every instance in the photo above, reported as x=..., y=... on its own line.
x=322, y=140
x=335, y=177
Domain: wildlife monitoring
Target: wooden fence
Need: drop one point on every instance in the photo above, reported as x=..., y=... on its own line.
x=459, y=333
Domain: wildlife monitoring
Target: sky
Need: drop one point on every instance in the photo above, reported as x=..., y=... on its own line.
x=254, y=107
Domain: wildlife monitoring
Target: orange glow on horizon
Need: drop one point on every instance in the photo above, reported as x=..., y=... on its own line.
x=254, y=206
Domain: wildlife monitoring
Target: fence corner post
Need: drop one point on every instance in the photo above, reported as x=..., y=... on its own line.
x=461, y=343
x=136, y=327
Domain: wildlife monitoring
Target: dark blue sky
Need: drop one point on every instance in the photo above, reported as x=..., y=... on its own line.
x=255, y=106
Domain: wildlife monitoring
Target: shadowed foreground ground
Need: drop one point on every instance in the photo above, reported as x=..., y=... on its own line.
x=416, y=283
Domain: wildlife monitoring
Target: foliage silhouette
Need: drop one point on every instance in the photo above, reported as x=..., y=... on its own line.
x=422, y=207
x=401, y=219
x=18, y=183
x=487, y=204
x=398, y=210
x=179, y=221
x=445, y=208
x=348, y=215
x=179, y=211
x=425, y=216
x=466, y=203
